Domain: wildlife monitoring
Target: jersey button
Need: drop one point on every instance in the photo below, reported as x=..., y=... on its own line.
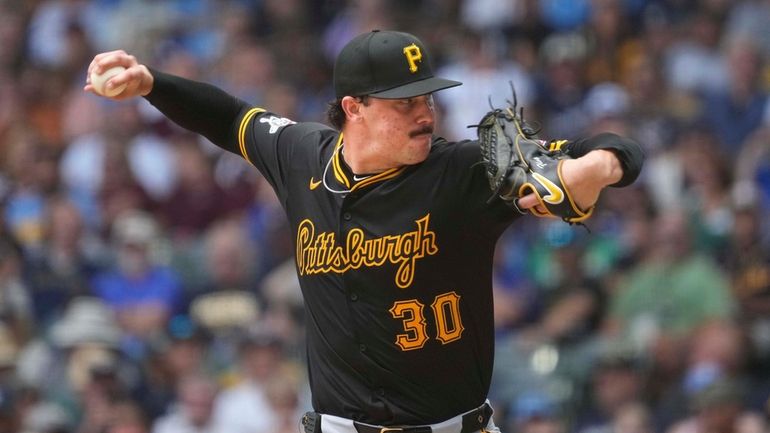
x=353, y=297
x=346, y=216
x=362, y=347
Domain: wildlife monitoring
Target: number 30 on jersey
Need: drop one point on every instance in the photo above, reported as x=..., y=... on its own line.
x=445, y=309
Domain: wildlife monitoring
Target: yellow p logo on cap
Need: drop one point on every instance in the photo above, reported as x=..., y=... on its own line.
x=413, y=55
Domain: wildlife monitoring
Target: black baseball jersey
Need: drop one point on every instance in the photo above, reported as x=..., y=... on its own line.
x=395, y=268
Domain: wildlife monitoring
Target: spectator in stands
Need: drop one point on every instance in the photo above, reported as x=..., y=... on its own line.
x=64, y=267
x=141, y=290
x=192, y=411
x=246, y=407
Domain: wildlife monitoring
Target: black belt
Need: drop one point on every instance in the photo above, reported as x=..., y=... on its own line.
x=473, y=421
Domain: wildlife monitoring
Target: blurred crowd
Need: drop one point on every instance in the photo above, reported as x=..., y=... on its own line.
x=146, y=277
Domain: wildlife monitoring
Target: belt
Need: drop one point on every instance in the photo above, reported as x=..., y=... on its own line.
x=469, y=422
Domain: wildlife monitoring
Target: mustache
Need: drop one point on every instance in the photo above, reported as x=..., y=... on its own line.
x=428, y=129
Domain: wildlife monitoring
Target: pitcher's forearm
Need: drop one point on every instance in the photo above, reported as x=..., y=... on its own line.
x=198, y=107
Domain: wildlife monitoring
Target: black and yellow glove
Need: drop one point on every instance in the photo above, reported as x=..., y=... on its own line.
x=518, y=163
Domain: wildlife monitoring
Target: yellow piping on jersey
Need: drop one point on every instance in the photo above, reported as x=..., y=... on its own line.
x=387, y=174
x=338, y=173
x=242, y=130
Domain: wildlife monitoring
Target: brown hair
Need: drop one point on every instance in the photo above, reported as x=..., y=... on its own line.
x=336, y=115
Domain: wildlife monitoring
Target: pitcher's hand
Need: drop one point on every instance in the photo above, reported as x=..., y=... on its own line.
x=585, y=177
x=136, y=77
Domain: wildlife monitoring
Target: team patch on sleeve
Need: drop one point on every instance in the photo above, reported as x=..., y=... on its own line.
x=276, y=122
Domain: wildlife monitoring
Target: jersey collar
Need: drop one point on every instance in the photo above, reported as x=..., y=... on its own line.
x=344, y=175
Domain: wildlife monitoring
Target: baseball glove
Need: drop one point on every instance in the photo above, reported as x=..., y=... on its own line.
x=519, y=163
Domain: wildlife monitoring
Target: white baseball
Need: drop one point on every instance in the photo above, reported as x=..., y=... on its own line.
x=99, y=81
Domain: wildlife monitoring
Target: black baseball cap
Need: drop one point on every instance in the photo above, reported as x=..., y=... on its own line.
x=388, y=65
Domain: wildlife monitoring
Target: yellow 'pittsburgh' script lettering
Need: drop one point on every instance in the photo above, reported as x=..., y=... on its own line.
x=318, y=254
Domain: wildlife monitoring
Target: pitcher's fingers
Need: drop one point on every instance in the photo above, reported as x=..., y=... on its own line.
x=97, y=66
x=124, y=77
x=105, y=61
x=137, y=79
x=528, y=201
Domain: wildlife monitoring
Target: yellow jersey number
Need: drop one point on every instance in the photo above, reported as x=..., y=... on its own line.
x=446, y=311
